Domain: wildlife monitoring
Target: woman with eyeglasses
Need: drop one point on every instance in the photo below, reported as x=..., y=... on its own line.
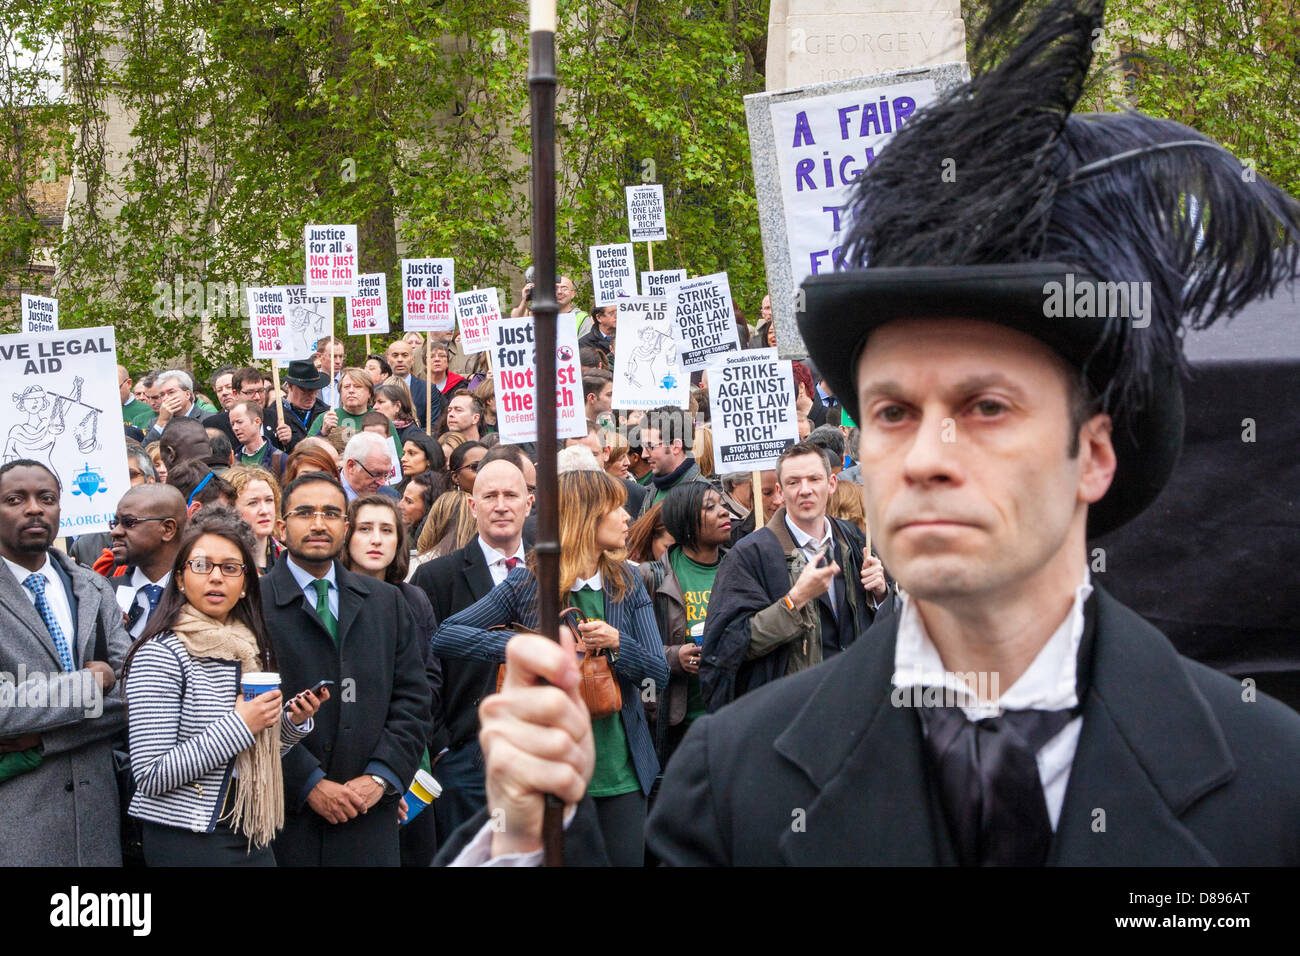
x=209, y=785
x=257, y=501
x=617, y=620
x=463, y=464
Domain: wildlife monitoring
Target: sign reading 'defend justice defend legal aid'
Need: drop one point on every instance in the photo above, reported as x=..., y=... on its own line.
x=40, y=314
x=751, y=399
x=646, y=219
x=427, y=289
x=368, y=308
x=613, y=273
x=61, y=410
x=648, y=372
x=331, y=259
x=704, y=321
x=475, y=311
x=808, y=146
x=514, y=370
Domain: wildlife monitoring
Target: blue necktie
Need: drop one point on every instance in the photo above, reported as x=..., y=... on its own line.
x=152, y=593
x=36, y=584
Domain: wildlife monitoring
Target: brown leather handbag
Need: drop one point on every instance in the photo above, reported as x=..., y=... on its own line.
x=600, y=690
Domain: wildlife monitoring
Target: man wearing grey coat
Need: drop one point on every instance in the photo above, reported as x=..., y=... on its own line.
x=58, y=792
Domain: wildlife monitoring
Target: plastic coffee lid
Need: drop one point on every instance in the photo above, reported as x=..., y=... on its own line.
x=425, y=779
x=262, y=677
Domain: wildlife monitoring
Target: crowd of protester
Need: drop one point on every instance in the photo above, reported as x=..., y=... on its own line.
x=271, y=532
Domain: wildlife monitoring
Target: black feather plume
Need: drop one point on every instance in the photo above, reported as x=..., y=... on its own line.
x=1123, y=196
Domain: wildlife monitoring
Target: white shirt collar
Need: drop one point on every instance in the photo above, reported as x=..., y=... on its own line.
x=305, y=580
x=592, y=582
x=139, y=579
x=493, y=556
x=1047, y=684
x=805, y=540
x=21, y=574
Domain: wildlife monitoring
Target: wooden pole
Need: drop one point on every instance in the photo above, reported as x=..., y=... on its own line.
x=757, y=480
x=368, y=350
x=650, y=252
x=542, y=84
x=428, y=384
x=332, y=384
x=275, y=379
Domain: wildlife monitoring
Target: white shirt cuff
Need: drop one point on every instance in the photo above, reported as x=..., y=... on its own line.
x=478, y=852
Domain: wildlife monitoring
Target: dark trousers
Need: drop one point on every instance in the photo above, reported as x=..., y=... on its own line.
x=622, y=825
x=460, y=772
x=172, y=846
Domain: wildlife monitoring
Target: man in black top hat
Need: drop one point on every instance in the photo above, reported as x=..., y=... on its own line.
x=1011, y=352
x=302, y=383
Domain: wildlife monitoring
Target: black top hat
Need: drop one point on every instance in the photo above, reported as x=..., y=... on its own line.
x=306, y=375
x=1046, y=202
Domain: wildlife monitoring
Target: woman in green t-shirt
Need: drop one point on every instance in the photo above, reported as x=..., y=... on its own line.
x=680, y=584
x=594, y=578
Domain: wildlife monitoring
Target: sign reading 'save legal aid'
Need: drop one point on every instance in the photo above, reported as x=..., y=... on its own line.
x=331, y=259
x=61, y=410
x=368, y=308
x=427, y=289
x=751, y=398
x=514, y=370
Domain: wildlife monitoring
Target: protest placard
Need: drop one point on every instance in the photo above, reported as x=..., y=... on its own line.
x=427, y=289
x=751, y=401
x=268, y=322
x=514, y=372
x=658, y=282
x=309, y=318
x=40, y=314
x=61, y=410
x=704, y=322
x=475, y=310
x=368, y=308
x=647, y=369
x=613, y=273
x=646, y=220
x=808, y=145
x=331, y=259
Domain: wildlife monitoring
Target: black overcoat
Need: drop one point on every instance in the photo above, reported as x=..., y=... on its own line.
x=378, y=710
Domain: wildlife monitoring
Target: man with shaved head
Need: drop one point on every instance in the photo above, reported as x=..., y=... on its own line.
x=184, y=439
x=501, y=502
x=146, y=534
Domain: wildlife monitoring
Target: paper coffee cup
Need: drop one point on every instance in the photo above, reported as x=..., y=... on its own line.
x=259, y=683
x=422, y=792
x=697, y=632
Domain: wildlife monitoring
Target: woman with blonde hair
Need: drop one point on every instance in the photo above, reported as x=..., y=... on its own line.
x=449, y=525
x=257, y=501
x=154, y=451
x=846, y=503
x=703, y=451
x=614, y=618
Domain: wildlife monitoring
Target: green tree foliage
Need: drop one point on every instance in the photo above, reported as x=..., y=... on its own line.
x=250, y=120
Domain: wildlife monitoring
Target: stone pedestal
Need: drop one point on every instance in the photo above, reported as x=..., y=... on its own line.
x=817, y=41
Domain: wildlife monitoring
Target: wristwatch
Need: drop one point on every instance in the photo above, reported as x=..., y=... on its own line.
x=383, y=784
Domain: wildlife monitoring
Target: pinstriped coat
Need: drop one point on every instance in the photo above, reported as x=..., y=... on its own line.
x=64, y=812
x=640, y=648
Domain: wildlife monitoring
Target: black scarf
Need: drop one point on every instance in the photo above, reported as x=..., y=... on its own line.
x=664, y=482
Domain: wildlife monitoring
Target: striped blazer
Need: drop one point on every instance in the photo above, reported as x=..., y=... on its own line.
x=184, y=734
x=640, y=667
